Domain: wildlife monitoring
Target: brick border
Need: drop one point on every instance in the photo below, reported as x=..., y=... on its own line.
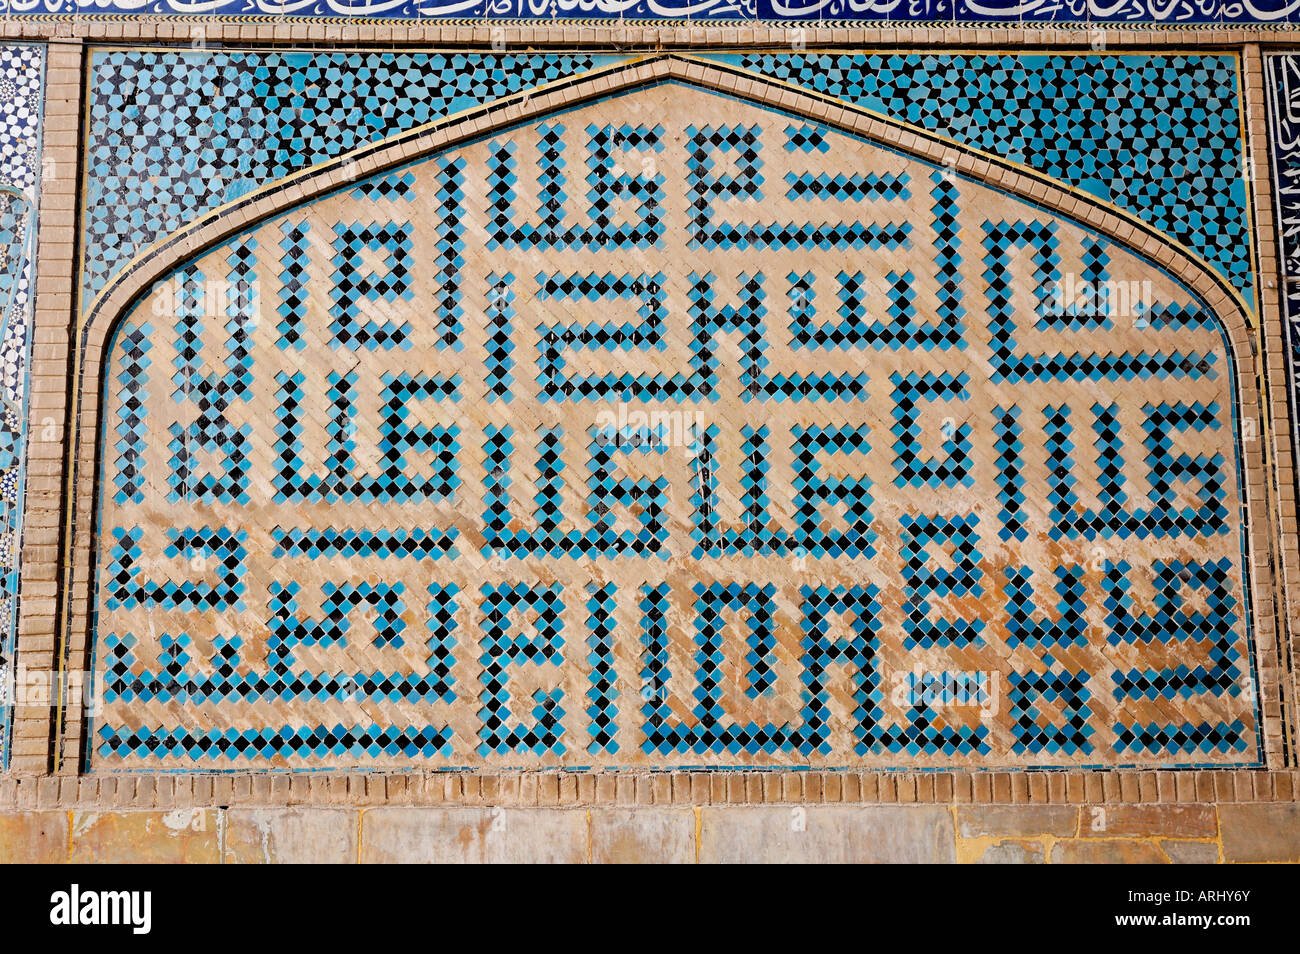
x=1275, y=387
x=560, y=789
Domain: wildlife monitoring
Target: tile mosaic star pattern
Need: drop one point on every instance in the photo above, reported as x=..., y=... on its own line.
x=670, y=431
x=1159, y=136
x=21, y=84
x=174, y=134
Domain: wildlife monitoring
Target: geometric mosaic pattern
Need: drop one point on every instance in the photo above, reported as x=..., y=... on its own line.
x=173, y=134
x=670, y=431
x=242, y=119
x=21, y=99
x=1158, y=136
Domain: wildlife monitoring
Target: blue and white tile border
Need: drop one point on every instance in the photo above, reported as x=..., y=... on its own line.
x=21, y=101
x=1137, y=12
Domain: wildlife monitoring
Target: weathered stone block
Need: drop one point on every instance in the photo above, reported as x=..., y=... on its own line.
x=1105, y=851
x=875, y=834
x=1260, y=832
x=979, y=820
x=473, y=835
x=290, y=836
x=185, y=836
x=1012, y=853
x=1191, y=852
x=643, y=835
x=1186, y=821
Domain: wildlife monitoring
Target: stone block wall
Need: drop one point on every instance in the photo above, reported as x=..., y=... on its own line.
x=668, y=820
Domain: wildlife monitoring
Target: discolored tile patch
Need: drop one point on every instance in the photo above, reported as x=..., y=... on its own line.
x=643, y=836
x=1256, y=833
x=33, y=838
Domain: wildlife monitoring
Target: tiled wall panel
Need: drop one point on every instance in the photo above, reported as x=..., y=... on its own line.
x=672, y=428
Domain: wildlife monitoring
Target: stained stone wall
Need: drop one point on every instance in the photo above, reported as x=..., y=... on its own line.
x=677, y=422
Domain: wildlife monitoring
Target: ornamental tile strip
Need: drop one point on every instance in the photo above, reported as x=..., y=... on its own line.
x=175, y=134
x=651, y=433
x=21, y=91
x=1136, y=12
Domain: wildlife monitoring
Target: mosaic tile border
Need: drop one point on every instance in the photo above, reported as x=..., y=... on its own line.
x=34, y=714
x=1277, y=168
x=208, y=231
x=21, y=104
x=1045, y=11
x=1276, y=404
x=631, y=36
x=1283, y=72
